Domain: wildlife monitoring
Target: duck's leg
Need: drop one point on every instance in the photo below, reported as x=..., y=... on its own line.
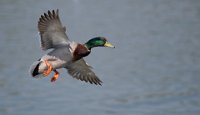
x=55, y=77
x=49, y=68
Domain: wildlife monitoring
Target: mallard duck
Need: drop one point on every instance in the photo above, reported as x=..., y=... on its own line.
x=65, y=53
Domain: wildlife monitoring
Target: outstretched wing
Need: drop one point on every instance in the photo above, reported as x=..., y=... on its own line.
x=81, y=71
x=51, y=31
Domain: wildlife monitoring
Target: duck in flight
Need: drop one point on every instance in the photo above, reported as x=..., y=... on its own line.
x=65, y=53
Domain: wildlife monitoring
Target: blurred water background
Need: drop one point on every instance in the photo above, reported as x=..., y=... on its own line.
x=154, y=69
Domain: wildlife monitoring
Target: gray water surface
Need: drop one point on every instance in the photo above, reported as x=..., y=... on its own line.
x=154, y=69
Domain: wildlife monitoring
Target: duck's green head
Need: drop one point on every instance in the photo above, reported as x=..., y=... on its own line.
x=98, y=42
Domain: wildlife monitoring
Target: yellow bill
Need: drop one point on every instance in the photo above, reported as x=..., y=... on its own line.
x=108, y=44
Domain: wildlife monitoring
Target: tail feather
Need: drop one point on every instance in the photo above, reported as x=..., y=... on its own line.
x=34, y=69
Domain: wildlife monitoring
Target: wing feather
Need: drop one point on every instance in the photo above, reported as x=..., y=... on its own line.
x=51, y=31
x=81, y=71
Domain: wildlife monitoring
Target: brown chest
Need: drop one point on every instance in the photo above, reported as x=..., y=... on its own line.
x=80, y=51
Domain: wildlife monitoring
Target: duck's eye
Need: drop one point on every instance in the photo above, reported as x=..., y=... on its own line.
x=104, y=40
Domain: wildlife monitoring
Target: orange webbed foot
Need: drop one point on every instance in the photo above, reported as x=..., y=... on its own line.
x=49, y=68
x=55, y=77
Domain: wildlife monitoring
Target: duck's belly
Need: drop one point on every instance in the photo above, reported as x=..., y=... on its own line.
x=55, y=63
x=56, y=60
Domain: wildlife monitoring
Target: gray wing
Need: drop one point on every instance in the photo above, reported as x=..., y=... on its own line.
x=51, y=31
x=81, y=71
